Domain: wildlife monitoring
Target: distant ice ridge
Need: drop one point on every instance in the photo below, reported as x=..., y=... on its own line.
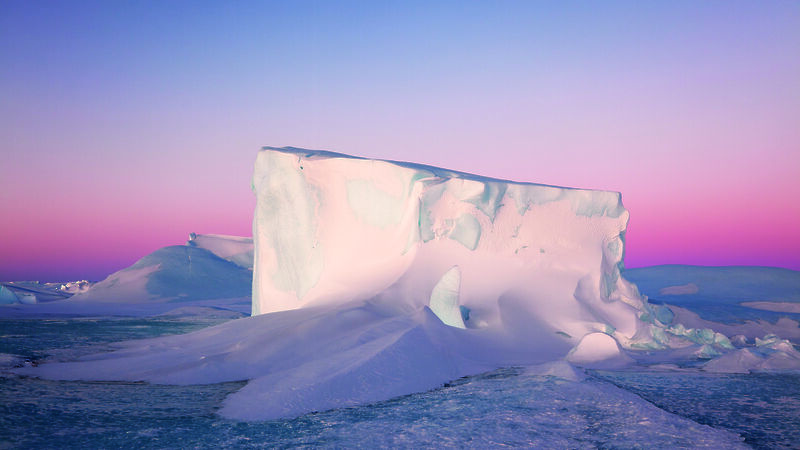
x=34, y=292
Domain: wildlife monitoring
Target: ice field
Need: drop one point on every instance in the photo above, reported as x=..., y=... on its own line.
x=397, y=304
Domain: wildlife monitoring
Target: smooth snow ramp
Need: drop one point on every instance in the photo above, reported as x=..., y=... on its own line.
x=331, y=228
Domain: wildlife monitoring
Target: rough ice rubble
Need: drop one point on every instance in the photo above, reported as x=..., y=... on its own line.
x=725, y=295
x=704, y=305
x=15, y=293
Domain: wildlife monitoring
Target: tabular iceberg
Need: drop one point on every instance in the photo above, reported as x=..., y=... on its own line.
x=374, y=279
x=331, y=228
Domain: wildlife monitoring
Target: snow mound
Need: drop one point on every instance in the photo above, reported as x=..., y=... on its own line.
x=769, y=355
x=7, y=296
x=598, y=351
x=174, y=273
x=75, y=287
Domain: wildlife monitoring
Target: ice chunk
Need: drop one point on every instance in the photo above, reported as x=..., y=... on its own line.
x=491, y=199
x=769, y=354
x=444, y=299
x=598, y=350
x=467, y=231
x=7, y=297
x=738, y=361
x=28, y=298
x=684, y=289
x=739, y=340
x=75, y=287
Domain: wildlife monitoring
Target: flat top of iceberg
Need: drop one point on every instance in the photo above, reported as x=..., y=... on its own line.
x=438, y=171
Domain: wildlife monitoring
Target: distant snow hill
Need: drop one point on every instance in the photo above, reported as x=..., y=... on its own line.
x=210, y=270
x=174, y=273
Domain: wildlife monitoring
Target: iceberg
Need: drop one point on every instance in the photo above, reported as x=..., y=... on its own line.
x=374, y=279
x=330, y=228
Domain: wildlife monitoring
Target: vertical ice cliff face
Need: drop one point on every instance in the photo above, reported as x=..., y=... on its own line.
x=330, y=228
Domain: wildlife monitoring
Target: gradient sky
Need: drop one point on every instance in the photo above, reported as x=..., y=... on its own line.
x=125, y=125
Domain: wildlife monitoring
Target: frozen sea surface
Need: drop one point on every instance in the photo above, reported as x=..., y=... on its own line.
x=507, y=407
x=763, y=408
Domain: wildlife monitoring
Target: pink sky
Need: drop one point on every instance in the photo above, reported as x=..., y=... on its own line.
x=126, y=127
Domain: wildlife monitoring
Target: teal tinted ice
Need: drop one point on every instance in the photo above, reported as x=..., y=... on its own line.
x=444, y=299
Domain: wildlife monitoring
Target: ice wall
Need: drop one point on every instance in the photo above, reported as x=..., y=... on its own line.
x=331, y=228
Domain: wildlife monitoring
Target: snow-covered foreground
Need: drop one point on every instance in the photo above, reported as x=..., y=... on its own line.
x=375, y=279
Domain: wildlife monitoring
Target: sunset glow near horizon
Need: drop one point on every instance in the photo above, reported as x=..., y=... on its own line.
x=128, y=125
